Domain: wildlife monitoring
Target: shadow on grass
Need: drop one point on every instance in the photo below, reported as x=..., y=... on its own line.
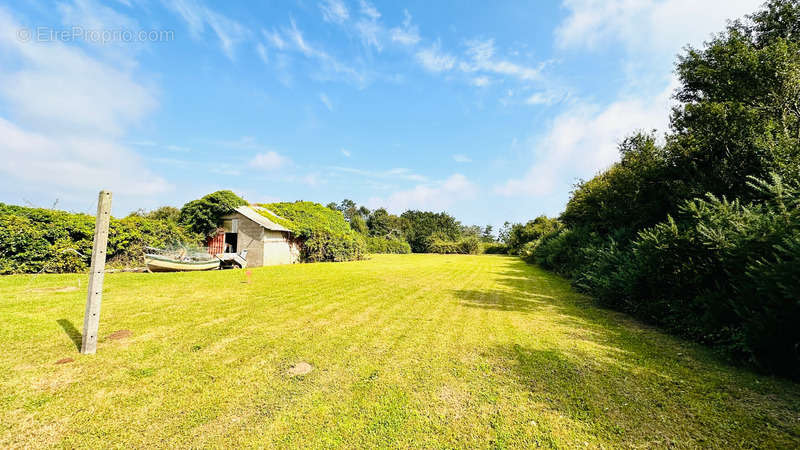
x=501, y=300
x=73, y=333
x=614, y=374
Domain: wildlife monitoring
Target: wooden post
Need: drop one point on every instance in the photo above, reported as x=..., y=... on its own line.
x=91, y=318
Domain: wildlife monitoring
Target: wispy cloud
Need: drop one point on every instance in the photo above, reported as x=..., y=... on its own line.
x=408, y=34
x=270, y=160
x=399, y=173
x=459, y=158
x=326, y=101
x=261, y=50
x=481, y=81
x=481, y=55
x=430, y=196
x=274, y=39
x=369, y=10
x=198, y=16
x=334, y=11
x=435, y=60
x=369, y=27
x=542, y=98
x=292, y=39
x=346, y=153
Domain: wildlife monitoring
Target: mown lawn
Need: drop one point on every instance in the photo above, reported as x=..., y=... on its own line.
x=407, y=351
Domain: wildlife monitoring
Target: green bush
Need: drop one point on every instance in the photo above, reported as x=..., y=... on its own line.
x=383, y=245
x=34, y=240
x=722, y=273
x=323, y=232
x=495, y=248
x=464, y=246
x=519, y=235
x=424, y=227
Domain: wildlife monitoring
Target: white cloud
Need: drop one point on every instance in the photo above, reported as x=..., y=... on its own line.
x=369, y=27
x=312, y=179
x=346, y=153
x=270, y=160
x=642, y=25
x=434, y=60
x=326, y=101
x=197, y=16
x=481, y=55
x=274, y=39
x=461, y=158
x=291, y=39
x=262, y=52
x=542, y=98
x=430, y=196
x=73, y=163
x=369, y=10
x=399, y=173
x=583, y=140
x=334, y=11
x=63, y=129
x=408, y=34
x=481, y=81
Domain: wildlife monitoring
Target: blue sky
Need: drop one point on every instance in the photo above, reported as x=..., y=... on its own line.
x=487, y=110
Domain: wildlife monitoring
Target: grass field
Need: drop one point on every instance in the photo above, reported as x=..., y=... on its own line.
x=406, y=350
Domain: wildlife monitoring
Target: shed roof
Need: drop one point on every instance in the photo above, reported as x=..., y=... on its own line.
x=251, y=213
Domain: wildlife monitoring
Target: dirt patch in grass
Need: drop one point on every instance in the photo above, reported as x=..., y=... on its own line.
x=56, y=289
x=120, y=334
x=299, y=369
x=64, y=360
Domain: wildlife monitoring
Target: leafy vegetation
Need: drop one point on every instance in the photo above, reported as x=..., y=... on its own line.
x=675, y=233
x=324, y=233
x=468, y=245
x=424, y=231
x=43, y=240
x=433, y=351
x=387, y=245
x=203, y=216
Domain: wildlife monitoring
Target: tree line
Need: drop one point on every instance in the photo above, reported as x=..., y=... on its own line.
x=700, y=232
x=422, y=231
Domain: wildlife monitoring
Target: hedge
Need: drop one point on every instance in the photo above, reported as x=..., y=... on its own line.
x=384, y=245
x=41, y=240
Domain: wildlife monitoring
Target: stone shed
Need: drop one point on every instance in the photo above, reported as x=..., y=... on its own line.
x=267, y=243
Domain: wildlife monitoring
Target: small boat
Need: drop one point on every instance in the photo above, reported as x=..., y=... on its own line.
x=181, y=261
x=158, y=263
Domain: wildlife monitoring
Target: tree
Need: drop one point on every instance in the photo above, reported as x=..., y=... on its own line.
x=168, y=213
x=421, y=225
x=382, y=224
x=520, y=235
x=740, y=105
x=471, y=230
x=487, y=235
x=505, y=232
x=204, y=216
x=636, y=192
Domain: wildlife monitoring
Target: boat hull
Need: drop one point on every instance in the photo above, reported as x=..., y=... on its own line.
x=165, y=265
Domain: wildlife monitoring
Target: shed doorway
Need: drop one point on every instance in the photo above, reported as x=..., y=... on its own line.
x=231, y=227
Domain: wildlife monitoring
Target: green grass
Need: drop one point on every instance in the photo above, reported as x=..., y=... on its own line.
x=407, y=350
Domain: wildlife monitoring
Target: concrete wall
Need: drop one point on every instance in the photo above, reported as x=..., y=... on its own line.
x=264, y=247
x=277, y=248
